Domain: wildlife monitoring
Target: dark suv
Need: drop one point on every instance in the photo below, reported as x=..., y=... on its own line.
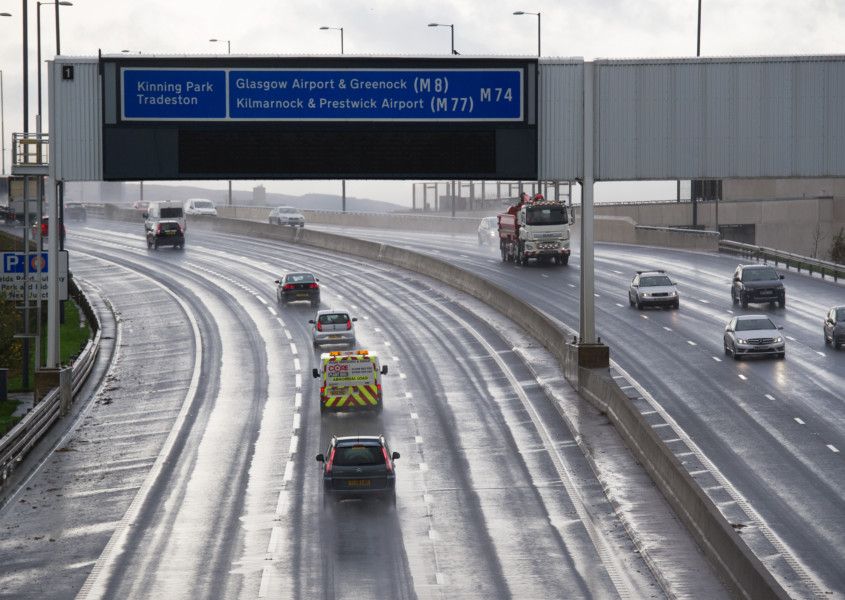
x=358, y=467
x=298, y=286
x=166, y=233
x=757, y=283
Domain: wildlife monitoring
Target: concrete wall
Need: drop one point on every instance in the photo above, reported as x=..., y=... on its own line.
x=802, y=226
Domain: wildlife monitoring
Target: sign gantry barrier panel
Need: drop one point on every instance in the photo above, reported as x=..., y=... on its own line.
x=319, y=118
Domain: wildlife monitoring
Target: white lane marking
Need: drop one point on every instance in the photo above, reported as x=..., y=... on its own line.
x=832, y=448
x=691, y=343
x=296, y=420
x=294, y=444
x=395, y=358
x=293, y=349
x=667, y=328
x=402, y=376
x=790, y=338
x=279, y=319
x=440, y=578
x=262, y=300
x=703, y=301
x=376, y=329
x=386, y=343
x=265, y=583
x=274, y=540
x=743, y=377
x=366, y=318
x=423, y=467
x=572, y=285
x=730, y=311
x=617, y=272
x=409, y=395
x=289, y=471
x=717, y=359
x=799, y=421
x=644, y=317
x=770, y=397
x=296, y=365
x=272, y=310
x=297, y=400
x=620, y=305
x=418, y=439
x=596, y=295
x=288, y=335
x=297, y=379
x=544, y=275
x=820, y=353
x=415, y=416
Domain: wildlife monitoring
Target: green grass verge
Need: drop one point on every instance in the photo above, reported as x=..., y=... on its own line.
x=72, y=339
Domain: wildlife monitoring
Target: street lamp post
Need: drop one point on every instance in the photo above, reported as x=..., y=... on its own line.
x=452, y=28
x=2, y=127
x=228, y=51
x=536, y=14
x=342, y=181
x=38, y=6
x=228, y=44
x=340, y=29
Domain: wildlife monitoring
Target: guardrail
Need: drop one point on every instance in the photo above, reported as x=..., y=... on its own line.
x=20, y=440
x=788, y=259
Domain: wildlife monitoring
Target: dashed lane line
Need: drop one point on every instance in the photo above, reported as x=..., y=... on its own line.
x=743, y=377
x=770, y=397
x=799, y=421
x=832, y=448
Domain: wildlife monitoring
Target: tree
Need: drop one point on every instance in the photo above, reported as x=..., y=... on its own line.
x=837, y=248
x=10, y=323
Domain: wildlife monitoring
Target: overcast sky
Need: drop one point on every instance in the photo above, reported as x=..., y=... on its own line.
x=585, y=28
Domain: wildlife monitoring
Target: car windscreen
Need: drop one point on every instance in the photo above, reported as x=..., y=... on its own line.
x=286, y=211
x=171, y=212
x=546, y=215
x=358, y=456
x=299, y=278
x=204, y=204
x=655, y=280
x=334, y=319
x=759, y=275
x=840, y=314
x=752, y=324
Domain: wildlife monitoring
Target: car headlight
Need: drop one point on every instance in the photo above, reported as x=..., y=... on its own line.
x=778, y=340
x=673, y=294
x=741, y=341
x=646, y=295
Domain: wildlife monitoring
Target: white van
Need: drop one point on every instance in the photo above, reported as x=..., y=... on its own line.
x=163, y=211
x=200, y=206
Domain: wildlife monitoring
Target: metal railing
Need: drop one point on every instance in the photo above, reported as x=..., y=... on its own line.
x=788, y=259
x=20, y=440
x=30, y=149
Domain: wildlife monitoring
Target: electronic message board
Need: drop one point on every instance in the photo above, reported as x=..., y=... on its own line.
x=255, y=118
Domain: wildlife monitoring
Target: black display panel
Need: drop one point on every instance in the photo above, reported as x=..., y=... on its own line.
x=294, y=118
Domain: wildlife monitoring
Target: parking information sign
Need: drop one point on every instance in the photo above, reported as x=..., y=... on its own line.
x=378, y=94
x=14, y=274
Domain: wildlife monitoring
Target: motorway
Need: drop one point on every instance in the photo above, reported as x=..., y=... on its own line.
x=772, y=432
x=192, y=474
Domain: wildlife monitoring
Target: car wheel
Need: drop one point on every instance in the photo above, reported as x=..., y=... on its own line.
x=782, y=302
x=727, y=352
x=155, y=245
x=733, y=297
x=734, y=354
x=837, y=345
x=630, y=300
x=743, y=299
x=826, y=341
x=564, y=260
x=677, y=304
x=639, y=304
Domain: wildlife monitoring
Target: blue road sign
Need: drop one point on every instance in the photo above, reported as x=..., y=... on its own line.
x=168, y=94
x=15, y=262
x=493, y=94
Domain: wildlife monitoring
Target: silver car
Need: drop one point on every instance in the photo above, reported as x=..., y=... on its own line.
x=834, y=327
x=753, y=335
x=286, y=215
x=488, y=231
x=653, y=288
x=333, y=327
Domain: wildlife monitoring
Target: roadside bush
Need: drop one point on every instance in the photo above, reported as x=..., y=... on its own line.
x=11, y=349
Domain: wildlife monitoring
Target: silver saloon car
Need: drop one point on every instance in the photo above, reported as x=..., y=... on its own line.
x=333, y=327
x=653, y=288
x=753, y=335
x=834, y=327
